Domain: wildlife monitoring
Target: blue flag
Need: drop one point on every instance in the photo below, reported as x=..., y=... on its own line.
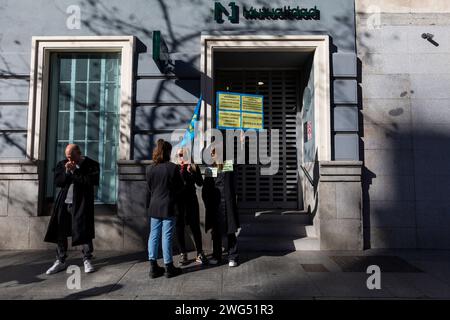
x=190, y=131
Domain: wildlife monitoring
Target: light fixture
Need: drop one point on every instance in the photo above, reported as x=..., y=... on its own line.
x=260, y=83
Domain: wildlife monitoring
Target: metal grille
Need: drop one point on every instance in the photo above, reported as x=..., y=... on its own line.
x=280, y=90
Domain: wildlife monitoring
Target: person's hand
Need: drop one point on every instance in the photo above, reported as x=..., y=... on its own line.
x=189, y=168
x=71, y=166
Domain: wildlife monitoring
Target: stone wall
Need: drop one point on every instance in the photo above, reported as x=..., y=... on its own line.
x=406, y=135
x=125, y=227
x=340, y=206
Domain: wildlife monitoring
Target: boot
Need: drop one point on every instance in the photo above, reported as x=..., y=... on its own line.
x=172, y=271
x=183, y=259
x=155, y=270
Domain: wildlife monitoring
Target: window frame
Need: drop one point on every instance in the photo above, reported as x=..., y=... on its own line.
x=42, y=47
x=54, y=110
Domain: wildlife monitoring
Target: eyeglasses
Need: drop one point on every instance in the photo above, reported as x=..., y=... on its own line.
x=180, y=155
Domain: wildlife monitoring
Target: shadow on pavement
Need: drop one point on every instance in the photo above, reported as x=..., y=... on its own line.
x=28, y=271
x=93, y=292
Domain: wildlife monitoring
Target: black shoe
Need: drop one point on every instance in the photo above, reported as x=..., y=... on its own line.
x=201, y=258
x=172, y=271
x=183, y=259
x=155, y=270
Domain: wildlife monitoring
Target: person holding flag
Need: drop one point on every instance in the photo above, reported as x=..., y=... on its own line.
x=188, y=212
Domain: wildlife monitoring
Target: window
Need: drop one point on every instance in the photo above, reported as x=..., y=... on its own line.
x=84, y=105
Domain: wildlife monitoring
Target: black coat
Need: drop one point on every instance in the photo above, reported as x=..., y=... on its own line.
x=164, y=184
x=78, y=224
x=219, y=196
x=188, y=211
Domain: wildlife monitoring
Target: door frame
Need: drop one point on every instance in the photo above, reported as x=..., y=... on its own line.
x=320, y=44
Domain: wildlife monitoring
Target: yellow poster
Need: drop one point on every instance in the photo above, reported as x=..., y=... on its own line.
x=230, y=101
x=252, y=103
x=252, y=120
x=239, y=111
x=229, y=119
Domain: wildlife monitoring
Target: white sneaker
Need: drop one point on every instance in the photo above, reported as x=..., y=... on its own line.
x=58, y=266
x=232, y=263
x=88, y=267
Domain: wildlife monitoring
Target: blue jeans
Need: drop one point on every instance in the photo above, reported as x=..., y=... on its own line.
x=166, y=227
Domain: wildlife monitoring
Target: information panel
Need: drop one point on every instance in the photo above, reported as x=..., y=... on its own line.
x=229, y=119
x=239, y=111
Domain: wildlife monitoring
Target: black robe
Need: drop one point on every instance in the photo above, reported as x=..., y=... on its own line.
x=219, y=196
x=188, y=208
x=78, y=224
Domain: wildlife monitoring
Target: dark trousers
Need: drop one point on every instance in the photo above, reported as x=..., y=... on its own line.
x=196, y=233
x=61, y=250
x=62, y=245
x=231, y=245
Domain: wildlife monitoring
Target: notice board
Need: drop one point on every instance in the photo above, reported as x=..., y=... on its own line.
x=239, y=111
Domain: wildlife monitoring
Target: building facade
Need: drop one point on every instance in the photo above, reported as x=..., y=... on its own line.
x=357, y=90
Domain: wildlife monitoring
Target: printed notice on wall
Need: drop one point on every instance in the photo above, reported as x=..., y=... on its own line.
x=252, y=120
x=229, y=119
x=252, y=104
x=230, y=102
x=239, y=111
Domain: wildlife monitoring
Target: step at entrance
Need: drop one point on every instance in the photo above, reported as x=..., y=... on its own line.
x=277, y=232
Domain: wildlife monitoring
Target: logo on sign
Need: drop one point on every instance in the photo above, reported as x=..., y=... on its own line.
x=264, y=13
x=220, y=10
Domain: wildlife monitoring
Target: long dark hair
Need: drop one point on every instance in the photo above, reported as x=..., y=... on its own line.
x=162, y=151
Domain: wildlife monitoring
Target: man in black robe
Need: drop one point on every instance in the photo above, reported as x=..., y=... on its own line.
x=73, y=214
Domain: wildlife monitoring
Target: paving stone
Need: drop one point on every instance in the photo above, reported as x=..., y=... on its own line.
x=345, y=285
x=386, y=264
x=124, y=276
x=312, y=267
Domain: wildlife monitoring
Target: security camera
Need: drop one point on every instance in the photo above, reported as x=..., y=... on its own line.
x=427, y=36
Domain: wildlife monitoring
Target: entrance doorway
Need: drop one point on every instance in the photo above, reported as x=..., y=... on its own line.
x=281, y=78
x=276, y=55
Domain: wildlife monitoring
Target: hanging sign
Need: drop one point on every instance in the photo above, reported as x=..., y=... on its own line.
x=160, y=52
x=239, y=111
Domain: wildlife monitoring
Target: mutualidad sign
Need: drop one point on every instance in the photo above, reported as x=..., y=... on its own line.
x=239, y=111
x=263, y=13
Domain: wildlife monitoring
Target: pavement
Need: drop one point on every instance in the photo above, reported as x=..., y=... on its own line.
x=409, y=274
